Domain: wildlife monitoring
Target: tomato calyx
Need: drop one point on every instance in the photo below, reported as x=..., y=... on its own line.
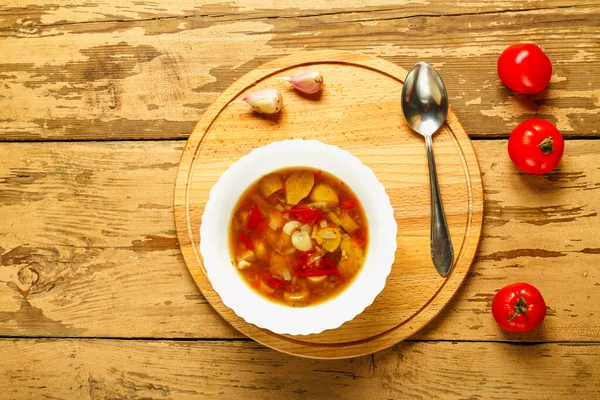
x=546, y=145
x=520, y=308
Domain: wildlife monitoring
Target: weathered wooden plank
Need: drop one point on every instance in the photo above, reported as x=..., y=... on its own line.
x=26, y=15
x=153, y=78
x=103, y=369
x=88, y=234
x=89, y=246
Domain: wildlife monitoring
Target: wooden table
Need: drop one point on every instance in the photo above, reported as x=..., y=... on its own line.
x=96, y=102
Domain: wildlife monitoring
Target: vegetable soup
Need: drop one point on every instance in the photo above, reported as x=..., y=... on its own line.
x=298, y=236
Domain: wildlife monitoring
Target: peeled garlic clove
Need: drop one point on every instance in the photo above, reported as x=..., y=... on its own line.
x=309, y=82
x=265, y=101
x=301, y=241
x=291, y=227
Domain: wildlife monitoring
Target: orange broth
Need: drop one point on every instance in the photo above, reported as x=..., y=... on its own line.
x=298, y=236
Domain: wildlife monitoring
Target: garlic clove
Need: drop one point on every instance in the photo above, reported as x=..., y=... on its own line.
x=301, y=241
x=265, y=101
x=291, y=227
x=309, y=82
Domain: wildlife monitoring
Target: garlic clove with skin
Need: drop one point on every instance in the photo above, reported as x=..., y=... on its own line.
x=265, y=101
x=309, y=81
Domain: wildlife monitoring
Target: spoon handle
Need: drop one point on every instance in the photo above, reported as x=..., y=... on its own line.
x=442, y=253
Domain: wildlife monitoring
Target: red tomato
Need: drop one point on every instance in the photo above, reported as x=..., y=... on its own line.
x=535, y=146
x=524, y=68
x=519, y=307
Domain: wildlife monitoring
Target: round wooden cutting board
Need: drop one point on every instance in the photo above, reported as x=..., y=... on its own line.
x=358, y=110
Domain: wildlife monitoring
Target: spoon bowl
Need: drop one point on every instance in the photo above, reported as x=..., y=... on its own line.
x=425, y=107
x=424, y=99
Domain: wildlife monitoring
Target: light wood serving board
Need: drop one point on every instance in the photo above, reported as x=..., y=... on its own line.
x=359, y=111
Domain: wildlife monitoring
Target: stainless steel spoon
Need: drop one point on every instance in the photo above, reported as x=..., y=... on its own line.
x=425, y=107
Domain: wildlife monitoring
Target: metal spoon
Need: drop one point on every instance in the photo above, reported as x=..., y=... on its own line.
x=425, y=107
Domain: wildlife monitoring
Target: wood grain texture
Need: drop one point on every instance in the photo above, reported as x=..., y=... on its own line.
x=109, y=369
x=89, y=245
x=86, y=70
x=72, y=224
x=21, y=14
x=87, y=242
x=355, y=84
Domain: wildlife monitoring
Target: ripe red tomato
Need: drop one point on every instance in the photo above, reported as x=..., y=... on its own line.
x=519, y=307
x=524, y=68
x=536, y=146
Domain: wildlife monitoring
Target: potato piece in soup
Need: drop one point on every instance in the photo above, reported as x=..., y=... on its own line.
x=298, y=185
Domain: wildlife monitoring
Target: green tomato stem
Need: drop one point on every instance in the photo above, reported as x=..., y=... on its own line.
x=520, y=308
x=546, y=145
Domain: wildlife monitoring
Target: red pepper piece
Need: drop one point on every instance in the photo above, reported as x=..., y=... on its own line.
x=348, y=204
x=255, y=218
x=324, y=267
x=318, y=174
x=302, y=259
x=330, y=265
x=305, y=214
x=275, y=283
x=246, y=240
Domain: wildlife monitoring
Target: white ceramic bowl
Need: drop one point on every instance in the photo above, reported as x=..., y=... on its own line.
x=252, y=307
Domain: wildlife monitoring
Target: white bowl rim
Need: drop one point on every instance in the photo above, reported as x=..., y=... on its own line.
x=251, y=306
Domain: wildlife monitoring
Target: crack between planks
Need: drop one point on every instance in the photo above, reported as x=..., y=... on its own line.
x=323, y=14
x=246, y=339
x=149, y=248
x=184, y=139
x=87, y=141
x=466, y=14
